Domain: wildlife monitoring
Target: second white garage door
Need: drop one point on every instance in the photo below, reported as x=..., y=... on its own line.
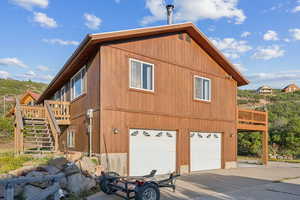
x=205, y=151
x=151, y=149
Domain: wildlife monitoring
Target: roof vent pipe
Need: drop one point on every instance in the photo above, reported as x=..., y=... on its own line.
x=170, y=9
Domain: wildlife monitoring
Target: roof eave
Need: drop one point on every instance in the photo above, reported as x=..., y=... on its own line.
x=81, y=46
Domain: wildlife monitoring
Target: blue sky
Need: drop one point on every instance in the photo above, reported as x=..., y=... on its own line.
x=262, y=38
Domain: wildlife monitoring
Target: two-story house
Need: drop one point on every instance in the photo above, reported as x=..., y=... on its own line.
x=264, y=90
x=161, y=97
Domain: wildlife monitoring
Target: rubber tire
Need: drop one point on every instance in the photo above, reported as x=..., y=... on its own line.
x=141, y=189
x=105, y=188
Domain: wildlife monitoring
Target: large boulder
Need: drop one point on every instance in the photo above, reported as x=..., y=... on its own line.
x=35, y=174
x=78, y=183
x=51, y=170
x=87, y=166
x=58, y=162
x=70, y=169
x=22, y=171
x=35, y=193
x=31, y=192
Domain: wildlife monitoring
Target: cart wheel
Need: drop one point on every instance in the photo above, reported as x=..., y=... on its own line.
x=147, y=192
x=105, y=187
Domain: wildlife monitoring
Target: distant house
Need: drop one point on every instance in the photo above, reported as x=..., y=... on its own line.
x=291, y=88
x=265, y=90
x=29, y=98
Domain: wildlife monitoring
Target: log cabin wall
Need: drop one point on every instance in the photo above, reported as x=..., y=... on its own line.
x=171, y=106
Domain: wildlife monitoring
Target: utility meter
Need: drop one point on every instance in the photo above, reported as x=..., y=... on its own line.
x=89, y=113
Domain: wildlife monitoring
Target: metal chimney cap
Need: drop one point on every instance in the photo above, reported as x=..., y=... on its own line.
x=170, y=6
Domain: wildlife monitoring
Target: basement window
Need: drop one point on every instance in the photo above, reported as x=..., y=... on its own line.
x=141, y=75
x=78, y=84
x=202, y=88
x=71, y=139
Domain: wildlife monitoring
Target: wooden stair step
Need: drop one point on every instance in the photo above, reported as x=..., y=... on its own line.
x=39, y=145
x=38, y=151
x=35, y=121
x=33, y=137
x=35, y=118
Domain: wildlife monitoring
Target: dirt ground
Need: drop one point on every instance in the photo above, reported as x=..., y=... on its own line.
x=6, y=145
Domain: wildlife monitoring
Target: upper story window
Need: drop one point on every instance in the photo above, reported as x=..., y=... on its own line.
x=202, y=88
x=141, y=75
x=78, y=84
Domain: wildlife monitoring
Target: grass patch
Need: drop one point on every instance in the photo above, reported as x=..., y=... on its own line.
x=9, y=162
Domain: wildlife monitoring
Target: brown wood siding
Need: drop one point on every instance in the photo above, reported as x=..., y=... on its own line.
x=171, y=106
x=79, y=106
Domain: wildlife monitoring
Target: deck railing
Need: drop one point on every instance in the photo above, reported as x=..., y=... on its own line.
x=252, y=117
x=32, y=111
x=252, y=120
x=61, y=111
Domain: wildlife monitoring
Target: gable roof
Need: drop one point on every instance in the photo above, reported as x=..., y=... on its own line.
x=290, y=85
x=264, y=87
x=34, y=96
x=91, y=41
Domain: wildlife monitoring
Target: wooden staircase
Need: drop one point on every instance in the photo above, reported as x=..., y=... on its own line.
x=37, y=127
x=37, y=136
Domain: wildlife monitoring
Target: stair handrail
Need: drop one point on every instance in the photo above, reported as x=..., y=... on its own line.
x=53, y=124
x=18, y=113
x=52, y=117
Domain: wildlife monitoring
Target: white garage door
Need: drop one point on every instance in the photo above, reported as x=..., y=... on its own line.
x=205, y=151
x=151, y=149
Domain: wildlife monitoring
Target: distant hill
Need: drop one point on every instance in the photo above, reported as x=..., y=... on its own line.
x=10, y=87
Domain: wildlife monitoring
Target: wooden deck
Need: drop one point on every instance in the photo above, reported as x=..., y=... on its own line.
x=252, y=120
x=59, y=109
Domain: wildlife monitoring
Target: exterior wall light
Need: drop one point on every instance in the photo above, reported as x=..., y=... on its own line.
x=115, y=131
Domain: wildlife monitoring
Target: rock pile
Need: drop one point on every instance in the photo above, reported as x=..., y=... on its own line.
x=79, y=176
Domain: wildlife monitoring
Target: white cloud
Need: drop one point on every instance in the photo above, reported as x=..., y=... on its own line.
x=271, y=35
x=275, y=76
x=191, y=10
x=12, y=62
x=44, y=20
x=31, y=75
x=245, y=34
x=43, y=68
x=61, y=42
x=29, y=4
x=4, y=74
x=269, y=52
x=296, y=9
x=240, y=67
x=295, y=33
x=286, y=40
x=231, y=47
x=92, y=21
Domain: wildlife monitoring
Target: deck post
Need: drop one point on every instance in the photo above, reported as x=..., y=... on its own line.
x=265, y=142
x=265, y=154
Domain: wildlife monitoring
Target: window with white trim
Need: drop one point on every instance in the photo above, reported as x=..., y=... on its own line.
x=71, y=138
x=141, y=75
x=78, y=84
x=202, y=88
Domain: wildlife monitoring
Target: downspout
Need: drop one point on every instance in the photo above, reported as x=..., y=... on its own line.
x=90, y=116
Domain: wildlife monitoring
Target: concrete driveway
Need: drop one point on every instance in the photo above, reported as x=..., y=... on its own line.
x=278, y=181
